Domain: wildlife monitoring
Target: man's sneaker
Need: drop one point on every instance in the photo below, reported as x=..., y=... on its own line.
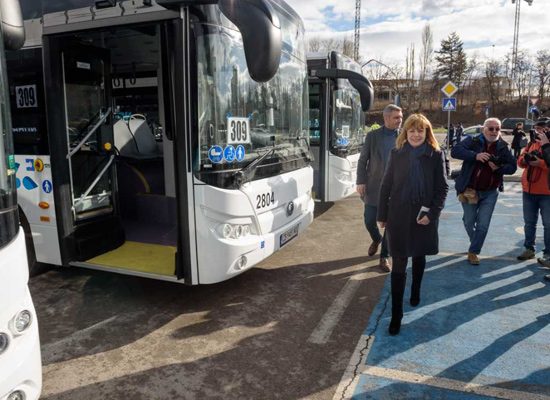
x=527, y=255
x=472, y=259
x=385, y=264
x=544, y=260
x=373, y=248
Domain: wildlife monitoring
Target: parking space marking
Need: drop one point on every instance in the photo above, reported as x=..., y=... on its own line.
x=325, y=327
x=355, y=368
x=494, y=214
x=451, y=384
x=481, y=257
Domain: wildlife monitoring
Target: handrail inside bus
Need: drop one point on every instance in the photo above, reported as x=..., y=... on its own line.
x=96, y=126
x=96, y=180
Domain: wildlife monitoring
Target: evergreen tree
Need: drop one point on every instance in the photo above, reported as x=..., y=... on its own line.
x=451, y=60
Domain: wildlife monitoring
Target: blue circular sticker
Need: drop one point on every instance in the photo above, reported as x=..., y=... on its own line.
x=229, y=153
x=47, y=186
x=240, y=153
x=215, y=154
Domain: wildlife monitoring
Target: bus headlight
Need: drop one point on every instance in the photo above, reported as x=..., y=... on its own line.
x=17, y=395
x=238, y=231
x=4, y=342
x=22, y=321
x=246, y=230
x=227, y=230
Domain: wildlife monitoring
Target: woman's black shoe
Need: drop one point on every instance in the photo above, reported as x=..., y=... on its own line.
x=395, y=326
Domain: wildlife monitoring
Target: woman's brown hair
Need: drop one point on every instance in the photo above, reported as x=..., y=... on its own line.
x=417, y=121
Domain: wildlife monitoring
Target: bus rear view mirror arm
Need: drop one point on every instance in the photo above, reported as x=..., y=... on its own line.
x=358, y=81
x=12, y=24
x=260, y=29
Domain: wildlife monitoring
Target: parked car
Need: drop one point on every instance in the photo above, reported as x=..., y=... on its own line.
x=471, y=131
x=508, y=125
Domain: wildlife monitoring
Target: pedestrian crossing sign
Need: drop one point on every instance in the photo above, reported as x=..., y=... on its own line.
x=449, y=104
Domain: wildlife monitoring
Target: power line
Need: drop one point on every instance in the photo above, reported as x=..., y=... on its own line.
x=358, y=29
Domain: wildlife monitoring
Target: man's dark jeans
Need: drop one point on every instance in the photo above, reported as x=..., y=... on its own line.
x=532, y=204
x=372, y=228
x=477, y=218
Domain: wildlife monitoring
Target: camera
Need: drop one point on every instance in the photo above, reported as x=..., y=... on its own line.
x=498, y=161
x=532, y=156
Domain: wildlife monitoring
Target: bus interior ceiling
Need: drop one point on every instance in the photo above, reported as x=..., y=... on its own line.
x=146, y=188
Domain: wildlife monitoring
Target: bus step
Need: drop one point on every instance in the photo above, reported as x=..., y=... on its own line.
x=82, y=216
x=98, y=237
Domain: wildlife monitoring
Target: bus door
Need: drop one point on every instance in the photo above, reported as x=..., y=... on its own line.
x=319, y=116
x=82, y=154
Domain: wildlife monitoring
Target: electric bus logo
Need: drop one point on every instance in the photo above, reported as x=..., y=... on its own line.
x=290, y=209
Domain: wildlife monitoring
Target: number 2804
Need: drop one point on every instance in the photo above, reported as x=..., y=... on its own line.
x=265, y=200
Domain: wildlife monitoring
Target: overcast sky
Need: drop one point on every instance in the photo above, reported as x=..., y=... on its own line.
x=389, y=27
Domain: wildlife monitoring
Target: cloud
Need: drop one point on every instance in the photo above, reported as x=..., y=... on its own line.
x=485, y=26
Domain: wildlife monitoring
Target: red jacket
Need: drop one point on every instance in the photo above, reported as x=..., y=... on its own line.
x=534, y=180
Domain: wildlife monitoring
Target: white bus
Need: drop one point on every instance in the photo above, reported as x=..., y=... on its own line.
x=339, y=96
x=20, y=363
x=165, y=139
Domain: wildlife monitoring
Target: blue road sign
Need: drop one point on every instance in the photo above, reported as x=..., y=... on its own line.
x=449, y=104
x=229, y=153
x=215, y=154
x=240, y=153
x=47, y=186
x=533, y=109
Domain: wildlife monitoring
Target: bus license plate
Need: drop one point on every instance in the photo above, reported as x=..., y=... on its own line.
x=289, y=235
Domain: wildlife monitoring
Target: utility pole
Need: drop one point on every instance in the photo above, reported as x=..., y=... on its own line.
x=516, y=35
x=357, y=29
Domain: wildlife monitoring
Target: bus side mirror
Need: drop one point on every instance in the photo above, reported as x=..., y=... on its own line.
x=358, y=81
x=262, y=36
x=12, y=24
x=260, y=29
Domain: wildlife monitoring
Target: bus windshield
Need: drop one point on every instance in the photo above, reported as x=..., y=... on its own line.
x=239, y=120
x=9, y=214
x=348, y=118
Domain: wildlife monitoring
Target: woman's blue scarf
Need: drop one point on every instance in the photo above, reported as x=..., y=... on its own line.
x=414, y=190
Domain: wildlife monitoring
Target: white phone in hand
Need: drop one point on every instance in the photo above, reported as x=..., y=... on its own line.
x=423, y=212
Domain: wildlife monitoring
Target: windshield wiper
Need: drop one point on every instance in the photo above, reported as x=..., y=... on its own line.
x=242, y=176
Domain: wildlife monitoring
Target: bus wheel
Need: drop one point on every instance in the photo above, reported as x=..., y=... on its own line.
x=35, y=267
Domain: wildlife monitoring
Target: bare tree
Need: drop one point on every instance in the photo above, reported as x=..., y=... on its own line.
x=344, y=46
x=347, y=47
x=314, y=44
x=469, y=85
x=523, y=73
x=542, y=68
x=409, y=78
x=425, y=59
x=493, y=78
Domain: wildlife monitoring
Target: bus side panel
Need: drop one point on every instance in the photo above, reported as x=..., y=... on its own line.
x=36, y=198
x=20, y=365
x=342, y=175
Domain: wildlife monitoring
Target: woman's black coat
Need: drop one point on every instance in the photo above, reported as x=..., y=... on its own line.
x=406, y=238
x=518, y=135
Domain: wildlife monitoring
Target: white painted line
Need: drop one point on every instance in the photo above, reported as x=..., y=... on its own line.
x=324, y=328
x=494, y=214
x=355, y=368
x=481, y=257
x=451, y=384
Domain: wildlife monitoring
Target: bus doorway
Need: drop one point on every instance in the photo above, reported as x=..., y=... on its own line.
x=114, y=169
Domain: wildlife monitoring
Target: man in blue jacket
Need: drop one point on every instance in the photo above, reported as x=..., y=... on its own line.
x=487, y=158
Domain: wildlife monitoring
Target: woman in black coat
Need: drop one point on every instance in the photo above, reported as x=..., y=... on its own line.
x=518, y=135
x=412, y=195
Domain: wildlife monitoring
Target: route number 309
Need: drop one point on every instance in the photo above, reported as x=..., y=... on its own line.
x=238, y=131
x=265, y=200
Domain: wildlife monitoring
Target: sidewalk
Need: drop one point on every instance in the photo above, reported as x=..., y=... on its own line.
x=479, y=332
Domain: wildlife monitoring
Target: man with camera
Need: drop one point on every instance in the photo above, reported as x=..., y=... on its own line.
x=542, y=130
x=487, y=158
x=536, y=198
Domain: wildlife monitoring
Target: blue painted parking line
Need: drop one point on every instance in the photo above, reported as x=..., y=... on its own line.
x=479, y=332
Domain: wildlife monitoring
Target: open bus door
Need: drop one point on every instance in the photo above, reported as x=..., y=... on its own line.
x=82, y=155
x=319, y=116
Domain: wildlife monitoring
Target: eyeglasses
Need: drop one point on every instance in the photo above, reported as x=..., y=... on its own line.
x=493, y=129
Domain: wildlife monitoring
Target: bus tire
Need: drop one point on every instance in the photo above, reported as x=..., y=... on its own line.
x=35, y=267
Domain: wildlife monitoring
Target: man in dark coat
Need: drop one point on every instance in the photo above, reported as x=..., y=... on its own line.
x=370, y=171
x=487, y=158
